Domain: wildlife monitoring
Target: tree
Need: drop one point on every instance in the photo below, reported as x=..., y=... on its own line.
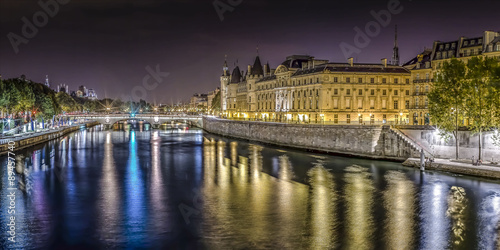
x=482, y=90
x=66, y=102
x=216, y=106
x=446, y=99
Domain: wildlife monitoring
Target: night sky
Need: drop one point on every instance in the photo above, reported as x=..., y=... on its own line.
x=107, y=45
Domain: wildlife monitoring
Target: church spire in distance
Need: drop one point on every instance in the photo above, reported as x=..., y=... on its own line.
x=395, y=52
x=225, y=68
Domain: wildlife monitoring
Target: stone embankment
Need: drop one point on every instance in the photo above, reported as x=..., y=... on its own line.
x=29, y=140
x=370, y=141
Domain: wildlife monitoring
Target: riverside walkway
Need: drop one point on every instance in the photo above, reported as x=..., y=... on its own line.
x=487, y=170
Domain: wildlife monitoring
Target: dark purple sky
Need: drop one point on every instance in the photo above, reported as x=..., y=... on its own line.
x=107, y=45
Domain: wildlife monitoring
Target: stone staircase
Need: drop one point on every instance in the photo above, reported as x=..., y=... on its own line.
x=412, y=143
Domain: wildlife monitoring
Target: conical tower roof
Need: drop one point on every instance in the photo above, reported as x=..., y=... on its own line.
x=236, y=76
x=257, y=67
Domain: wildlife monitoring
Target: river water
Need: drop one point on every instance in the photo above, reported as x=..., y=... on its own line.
x=169, y=189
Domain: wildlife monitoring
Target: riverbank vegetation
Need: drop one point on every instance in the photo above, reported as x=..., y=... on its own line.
x=466, y=95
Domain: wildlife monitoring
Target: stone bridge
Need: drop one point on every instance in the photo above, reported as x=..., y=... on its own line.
x=154, y=119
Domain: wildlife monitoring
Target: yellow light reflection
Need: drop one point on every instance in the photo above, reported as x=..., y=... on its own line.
x=399, y=202
x=457, y=205
x=360, y=225
x=323, y=217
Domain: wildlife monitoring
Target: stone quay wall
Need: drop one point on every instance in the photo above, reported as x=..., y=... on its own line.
x=369, y=141
x=24, y=142
x=429, y=137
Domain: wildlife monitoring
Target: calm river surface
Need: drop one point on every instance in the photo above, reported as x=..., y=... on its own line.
x=167, y=189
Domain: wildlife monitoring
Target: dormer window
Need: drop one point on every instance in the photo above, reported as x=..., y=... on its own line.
x=472, y=42
x=447, y=46
x=466, y=43
x=427, y=64
x=438, y=55
x=450, y=54
x=490, y=48
x=441, y=47
x=480, y=41
x=453, y=46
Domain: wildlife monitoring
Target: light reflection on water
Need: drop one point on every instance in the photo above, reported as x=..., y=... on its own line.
x=115, y=189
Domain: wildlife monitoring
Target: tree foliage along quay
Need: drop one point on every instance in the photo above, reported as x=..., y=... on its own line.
x=467, y=94
x=20, y=97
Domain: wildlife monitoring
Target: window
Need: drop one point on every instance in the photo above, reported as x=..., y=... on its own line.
x=317, y=80
x=311, y=80
x=407, y=92
x=372, y=104
x=407, y=81
x=498, y=47
x=335, y=91
x=396, y=92
x=426, y=102
x=466, y=43
x=441, y=47
x=348, y=91
x=348, y=118
x=396, y=104
x=447, y=46
x=335, y=103
x=348, y=79
x=335, y=79
x=472, y=42
x=426, y=89
x=384, y=92
x=360, y=118
x=396, y=80
x=372, y=80
x=360, y=80
x=384, y=104
x=438, y=55
x=450, y=54
x=384, y=80
x=360, y=92
x=407, y=104
x=348, y=103
x=453, y=46
x=372, y=92
x=335, y=118
x=360, y=103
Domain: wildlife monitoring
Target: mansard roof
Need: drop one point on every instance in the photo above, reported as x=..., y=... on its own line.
x=356, y=68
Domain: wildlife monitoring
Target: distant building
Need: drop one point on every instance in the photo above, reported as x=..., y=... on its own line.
x=199, y=100
x=47, y=81
x=62, y=88
x=91, y=94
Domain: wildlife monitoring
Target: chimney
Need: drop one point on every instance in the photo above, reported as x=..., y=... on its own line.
x=384, y=62
x=265, y=70
x=350, y=60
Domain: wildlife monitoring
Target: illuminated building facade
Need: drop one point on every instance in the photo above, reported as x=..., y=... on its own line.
x=305, y=89
x=425, y=65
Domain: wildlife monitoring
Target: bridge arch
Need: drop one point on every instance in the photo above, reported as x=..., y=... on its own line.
x=154, y=119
